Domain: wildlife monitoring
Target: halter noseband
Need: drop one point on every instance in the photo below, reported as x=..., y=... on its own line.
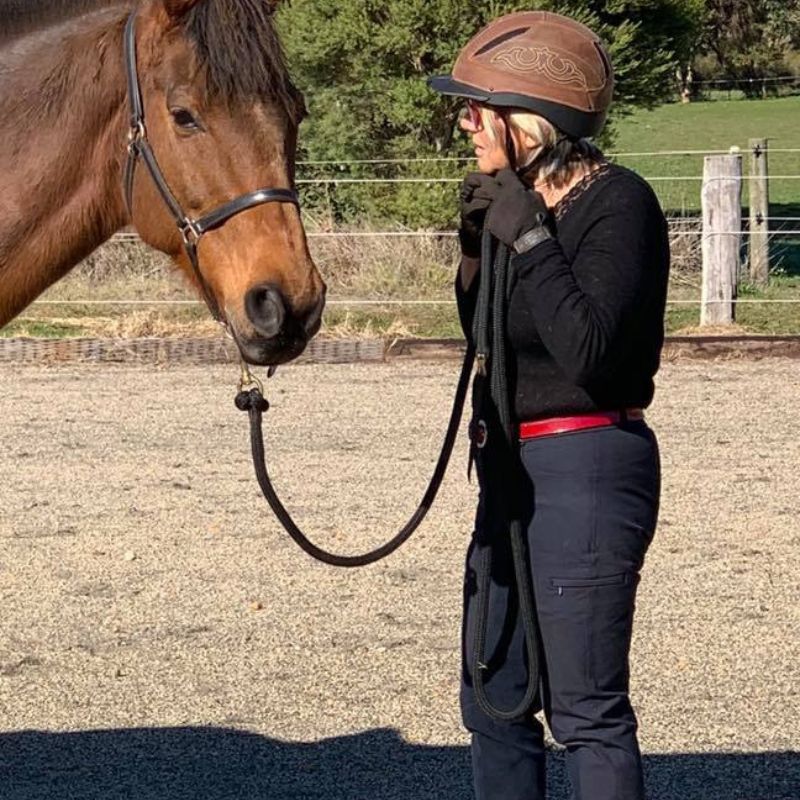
x=191, y=229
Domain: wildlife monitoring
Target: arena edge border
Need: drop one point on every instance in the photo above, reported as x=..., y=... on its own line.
x=218, y=350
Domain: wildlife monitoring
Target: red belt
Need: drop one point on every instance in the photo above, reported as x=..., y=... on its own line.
x=594, y=419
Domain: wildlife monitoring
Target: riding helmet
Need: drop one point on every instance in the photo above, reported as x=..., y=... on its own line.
x=539, y=61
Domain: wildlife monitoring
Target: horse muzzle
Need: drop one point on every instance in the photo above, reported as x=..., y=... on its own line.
x=274, y=332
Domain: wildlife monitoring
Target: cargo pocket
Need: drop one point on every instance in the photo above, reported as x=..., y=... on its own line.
x=599, y=611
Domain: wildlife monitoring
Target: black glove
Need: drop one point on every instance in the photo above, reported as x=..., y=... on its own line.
x=515, y=208
x=476, y=195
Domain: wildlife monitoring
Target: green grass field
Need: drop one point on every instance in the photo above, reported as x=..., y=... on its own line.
x=721, y=125
x=717, y=125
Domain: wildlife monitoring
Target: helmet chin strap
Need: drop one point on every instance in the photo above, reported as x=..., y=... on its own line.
x=527, y=169
x=511, y=151
x=511, y=147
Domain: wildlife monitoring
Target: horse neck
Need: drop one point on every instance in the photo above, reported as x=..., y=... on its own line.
x=63, y=122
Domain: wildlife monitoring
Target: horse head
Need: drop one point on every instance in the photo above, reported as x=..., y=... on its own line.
x=221, y=116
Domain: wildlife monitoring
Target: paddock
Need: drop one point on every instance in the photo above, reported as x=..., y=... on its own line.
x=162, y=638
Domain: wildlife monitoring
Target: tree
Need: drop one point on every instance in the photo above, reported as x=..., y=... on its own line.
x=363, y=66
x=749, y=39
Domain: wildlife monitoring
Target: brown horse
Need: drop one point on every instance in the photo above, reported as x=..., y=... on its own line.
x=221, y=118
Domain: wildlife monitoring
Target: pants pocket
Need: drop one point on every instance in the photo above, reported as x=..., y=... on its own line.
x=560, y=584
x=593, y=616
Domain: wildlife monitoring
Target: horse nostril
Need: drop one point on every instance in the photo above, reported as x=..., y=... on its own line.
x=265, y=310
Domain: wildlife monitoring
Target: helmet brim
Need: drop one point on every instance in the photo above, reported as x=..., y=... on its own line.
x=445, y=84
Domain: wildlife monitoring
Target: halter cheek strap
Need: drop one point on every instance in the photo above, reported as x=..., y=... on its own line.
x=191, y=229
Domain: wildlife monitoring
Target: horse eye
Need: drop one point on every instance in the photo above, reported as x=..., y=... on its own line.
x=184, y=119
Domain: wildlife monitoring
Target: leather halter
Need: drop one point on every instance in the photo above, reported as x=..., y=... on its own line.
x=191, y=229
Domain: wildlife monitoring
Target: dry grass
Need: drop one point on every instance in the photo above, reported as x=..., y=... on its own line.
x=387, y=267
x=357, y=267
x=687, y=252
x=352, y=326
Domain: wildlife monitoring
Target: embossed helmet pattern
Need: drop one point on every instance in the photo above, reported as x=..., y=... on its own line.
x=539, y=61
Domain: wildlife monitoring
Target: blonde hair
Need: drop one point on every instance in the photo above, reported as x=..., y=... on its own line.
x=558, y=156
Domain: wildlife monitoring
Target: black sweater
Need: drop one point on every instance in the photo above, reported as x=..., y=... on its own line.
x=586, y=314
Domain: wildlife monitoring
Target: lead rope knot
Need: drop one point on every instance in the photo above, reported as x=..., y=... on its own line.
x=251, y=400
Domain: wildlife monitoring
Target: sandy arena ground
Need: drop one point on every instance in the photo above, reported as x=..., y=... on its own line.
x=162, y=639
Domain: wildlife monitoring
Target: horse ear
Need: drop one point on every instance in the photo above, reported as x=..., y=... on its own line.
x=177, y=8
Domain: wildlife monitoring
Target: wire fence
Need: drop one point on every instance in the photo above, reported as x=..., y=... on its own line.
x=731, y=88
x=123, y=238
x=421, y=191
x=436, y=180
x=388, y=266
x=353, y=259
x=343, y=163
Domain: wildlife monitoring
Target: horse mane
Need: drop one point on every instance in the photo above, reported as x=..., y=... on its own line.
x=235, y=42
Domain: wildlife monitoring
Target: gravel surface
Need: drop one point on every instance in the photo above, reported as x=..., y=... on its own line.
x=162, y=639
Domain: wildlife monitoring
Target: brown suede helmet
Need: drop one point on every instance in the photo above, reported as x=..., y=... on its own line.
x=543, y=62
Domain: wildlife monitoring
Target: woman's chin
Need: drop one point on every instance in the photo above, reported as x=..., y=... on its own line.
x=489, y=164
x=484, y=164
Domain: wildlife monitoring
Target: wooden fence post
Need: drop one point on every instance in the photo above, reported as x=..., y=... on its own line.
x=759, y=212
x=722, y=225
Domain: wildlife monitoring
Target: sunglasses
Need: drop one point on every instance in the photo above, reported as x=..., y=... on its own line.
x=471, y=113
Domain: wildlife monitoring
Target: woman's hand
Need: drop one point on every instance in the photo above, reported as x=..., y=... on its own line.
x=502, y=204
x=514, y=208
x=475, y=202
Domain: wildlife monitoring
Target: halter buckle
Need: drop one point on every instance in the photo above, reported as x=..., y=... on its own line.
x=190, y=233
x=136, y=134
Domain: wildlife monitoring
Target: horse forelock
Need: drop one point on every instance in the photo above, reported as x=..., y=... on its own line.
x=239, y=49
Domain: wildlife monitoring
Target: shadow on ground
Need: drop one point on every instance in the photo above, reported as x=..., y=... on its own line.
x=223, y=764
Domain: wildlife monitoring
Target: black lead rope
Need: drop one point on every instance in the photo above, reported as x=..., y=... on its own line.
x=254, y=403
x=490, y=336
x=491, y=357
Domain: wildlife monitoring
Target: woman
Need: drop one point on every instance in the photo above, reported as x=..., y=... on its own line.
x=589, y=265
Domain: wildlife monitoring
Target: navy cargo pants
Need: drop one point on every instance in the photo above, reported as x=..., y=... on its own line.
x=590, y=508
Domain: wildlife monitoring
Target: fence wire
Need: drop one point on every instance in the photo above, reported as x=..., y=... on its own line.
x=686, y=235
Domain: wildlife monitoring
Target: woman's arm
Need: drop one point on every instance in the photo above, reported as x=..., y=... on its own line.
x=585, y=312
